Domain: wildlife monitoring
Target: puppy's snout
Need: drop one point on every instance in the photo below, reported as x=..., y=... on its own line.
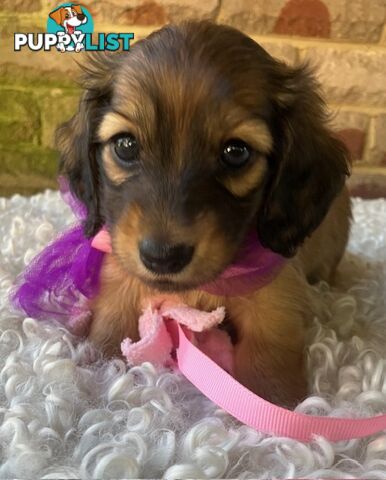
x=81, y=16
x=162, y=258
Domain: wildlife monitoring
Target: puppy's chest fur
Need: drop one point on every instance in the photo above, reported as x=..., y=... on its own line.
x=267, y=327
x=122, y=299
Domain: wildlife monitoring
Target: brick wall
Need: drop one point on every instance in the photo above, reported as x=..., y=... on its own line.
x=345, y=41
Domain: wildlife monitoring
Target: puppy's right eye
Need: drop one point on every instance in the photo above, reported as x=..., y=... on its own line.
x=235, y=154
x=126, y=148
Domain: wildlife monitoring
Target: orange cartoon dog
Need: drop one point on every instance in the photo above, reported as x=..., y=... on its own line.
x=69, y=18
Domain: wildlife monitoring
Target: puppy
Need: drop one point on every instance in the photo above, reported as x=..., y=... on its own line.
x=181, y=147
x=69, y=18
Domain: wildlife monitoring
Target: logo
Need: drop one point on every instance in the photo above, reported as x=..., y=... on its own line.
x=70, y=28
x=72, y=21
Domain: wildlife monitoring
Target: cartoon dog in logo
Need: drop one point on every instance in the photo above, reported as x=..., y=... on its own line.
x=69, y=18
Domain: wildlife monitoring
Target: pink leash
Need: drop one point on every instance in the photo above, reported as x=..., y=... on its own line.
x=252, y=410
x=220, y=387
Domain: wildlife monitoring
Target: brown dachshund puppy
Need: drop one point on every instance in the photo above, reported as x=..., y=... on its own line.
x=180, y=147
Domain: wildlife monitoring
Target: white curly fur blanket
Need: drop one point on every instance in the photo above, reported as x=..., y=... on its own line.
x=67, y=413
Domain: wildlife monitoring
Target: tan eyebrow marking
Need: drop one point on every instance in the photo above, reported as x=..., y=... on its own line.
x=254, y=132
x=241, y=186
x=112, y=124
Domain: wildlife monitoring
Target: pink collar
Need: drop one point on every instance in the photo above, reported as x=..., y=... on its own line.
x=254, y=266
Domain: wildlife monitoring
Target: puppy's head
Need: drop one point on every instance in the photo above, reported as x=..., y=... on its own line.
x=72, y=15
x=191, y=139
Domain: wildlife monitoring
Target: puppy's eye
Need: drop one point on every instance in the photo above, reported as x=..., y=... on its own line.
x=236, y=153
x=126, y=148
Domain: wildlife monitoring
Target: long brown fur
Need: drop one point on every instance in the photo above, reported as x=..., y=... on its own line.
x=183, y=93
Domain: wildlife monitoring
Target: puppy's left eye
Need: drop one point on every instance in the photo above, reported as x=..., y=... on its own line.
x=126, y=148
x=236, y=153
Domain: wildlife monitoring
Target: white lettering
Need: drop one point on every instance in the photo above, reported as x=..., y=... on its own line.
x=39, y=41
x=20, y=40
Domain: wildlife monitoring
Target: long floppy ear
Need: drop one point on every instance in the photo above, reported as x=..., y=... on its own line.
x=76, y=139
x=57, y=15
x=309, y=165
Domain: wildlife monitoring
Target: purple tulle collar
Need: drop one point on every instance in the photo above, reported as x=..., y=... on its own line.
x=61, y=280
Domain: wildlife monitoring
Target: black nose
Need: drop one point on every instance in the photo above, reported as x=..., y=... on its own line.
x=163, y=258
x=81, y=16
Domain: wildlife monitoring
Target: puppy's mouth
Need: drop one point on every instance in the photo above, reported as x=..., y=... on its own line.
x=182, y=281
x=168, y=285
x=70, y=28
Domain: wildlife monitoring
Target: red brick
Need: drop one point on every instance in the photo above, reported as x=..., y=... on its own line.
x=338, y=19
x=352, y=127
x=354, y=139
x=307, y=18
x=146, y=14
